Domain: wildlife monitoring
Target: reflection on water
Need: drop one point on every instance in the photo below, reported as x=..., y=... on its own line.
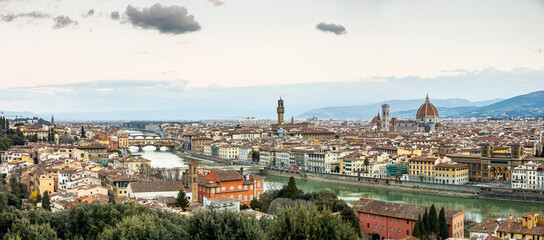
x=475, y=209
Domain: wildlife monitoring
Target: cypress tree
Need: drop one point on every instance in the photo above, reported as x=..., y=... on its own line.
x=415, y=232
x=422, y=230
x=82, y=132
x=443, y=224
x=426, y=224
x=433, y=221
x=291, y=191
x=46, y=202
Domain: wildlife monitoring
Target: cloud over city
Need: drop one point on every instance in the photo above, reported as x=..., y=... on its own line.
x=330, y=27
x=165, y=19
x=63, y=21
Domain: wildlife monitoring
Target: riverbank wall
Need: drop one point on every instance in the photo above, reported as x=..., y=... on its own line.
x=466, y=191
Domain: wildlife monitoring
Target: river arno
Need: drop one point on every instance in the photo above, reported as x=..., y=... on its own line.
x=475, y=209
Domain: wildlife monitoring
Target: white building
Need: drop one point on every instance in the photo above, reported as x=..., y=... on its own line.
x=282, y=158
x=155, y=189
x=525, y=176
x=243, y=153
x=221, y=203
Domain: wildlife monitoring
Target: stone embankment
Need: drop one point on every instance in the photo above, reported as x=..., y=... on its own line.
x=467, y=191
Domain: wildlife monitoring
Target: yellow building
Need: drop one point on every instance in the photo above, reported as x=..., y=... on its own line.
x=42, y=180
x=529, y=226
x=421, y=169
x=198, y=143
x=448, y=173
x=228, y=152
x=134, y=163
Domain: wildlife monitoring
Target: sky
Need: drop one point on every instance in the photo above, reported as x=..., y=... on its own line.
x=55, y=52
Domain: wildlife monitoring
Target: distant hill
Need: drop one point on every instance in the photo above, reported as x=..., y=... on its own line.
x=398, y=108
x=527, y=105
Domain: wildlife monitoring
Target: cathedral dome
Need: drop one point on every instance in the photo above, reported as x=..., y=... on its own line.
x=427, y=109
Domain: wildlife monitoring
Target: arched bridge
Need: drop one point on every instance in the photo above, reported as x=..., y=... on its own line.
x=158, y=143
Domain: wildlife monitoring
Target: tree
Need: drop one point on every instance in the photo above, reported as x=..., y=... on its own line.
x=181, y=200
x=5, y=143
x=82, y=133
x=301, y=222
x=33, y=138
x=255, y=156
x=14, y=185
x=144, y=226
x=256, y=205
x=426, y=224
x=433, y=221
x=291, y=191
x=416, y=231
x=46, y=201
x=422, y=229
x=38, y=197
x=24, y=229
x=443, y=225
x=348, y=216
x=222, y=225
x=33, y=196
x=366, y=164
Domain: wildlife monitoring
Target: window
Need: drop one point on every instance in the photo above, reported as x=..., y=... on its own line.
x=408, y=232
x=391, y=229
x=231, y=188
x=368, y=225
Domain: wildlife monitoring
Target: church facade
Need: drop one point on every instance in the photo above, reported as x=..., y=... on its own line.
x=427, y=120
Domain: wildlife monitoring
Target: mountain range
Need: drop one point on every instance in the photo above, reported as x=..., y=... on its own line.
x=528, y=105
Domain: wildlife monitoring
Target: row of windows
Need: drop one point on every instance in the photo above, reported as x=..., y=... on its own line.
x=383, y=228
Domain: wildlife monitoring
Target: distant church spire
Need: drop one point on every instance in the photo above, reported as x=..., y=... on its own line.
x=427, y=99
x=52, y=121
x=292, y=119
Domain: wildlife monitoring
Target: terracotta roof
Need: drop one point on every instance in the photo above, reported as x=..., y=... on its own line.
x=516, y=227
x=487, y=226
x=156, y=186
x=427, y=109
x=397, y=210
x=228, y=175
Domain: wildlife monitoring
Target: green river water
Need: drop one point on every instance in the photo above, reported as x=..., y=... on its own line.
x=475, y=209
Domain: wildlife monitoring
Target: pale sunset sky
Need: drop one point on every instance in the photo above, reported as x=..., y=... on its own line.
x=55, y=51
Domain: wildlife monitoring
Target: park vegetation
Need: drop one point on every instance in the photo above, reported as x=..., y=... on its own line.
x=431, y=225
x=310, y=217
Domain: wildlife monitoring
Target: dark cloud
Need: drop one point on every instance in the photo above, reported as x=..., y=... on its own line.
x=36, y=14
x=90, y=13
x=330, y=27
x=217, y=2
x=63, y=21
x=115, y=15
x=169, y=20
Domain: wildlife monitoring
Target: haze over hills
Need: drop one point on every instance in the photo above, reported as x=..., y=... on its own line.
x=527, y=105
x=398, y=108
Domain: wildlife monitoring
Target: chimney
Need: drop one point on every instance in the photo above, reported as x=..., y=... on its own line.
x=242, y=171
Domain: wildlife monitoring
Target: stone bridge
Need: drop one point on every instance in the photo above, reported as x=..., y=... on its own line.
x=158, y=143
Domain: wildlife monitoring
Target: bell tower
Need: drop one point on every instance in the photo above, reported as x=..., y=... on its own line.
x=193, y=181
x=281, y=111
x=385, y=115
